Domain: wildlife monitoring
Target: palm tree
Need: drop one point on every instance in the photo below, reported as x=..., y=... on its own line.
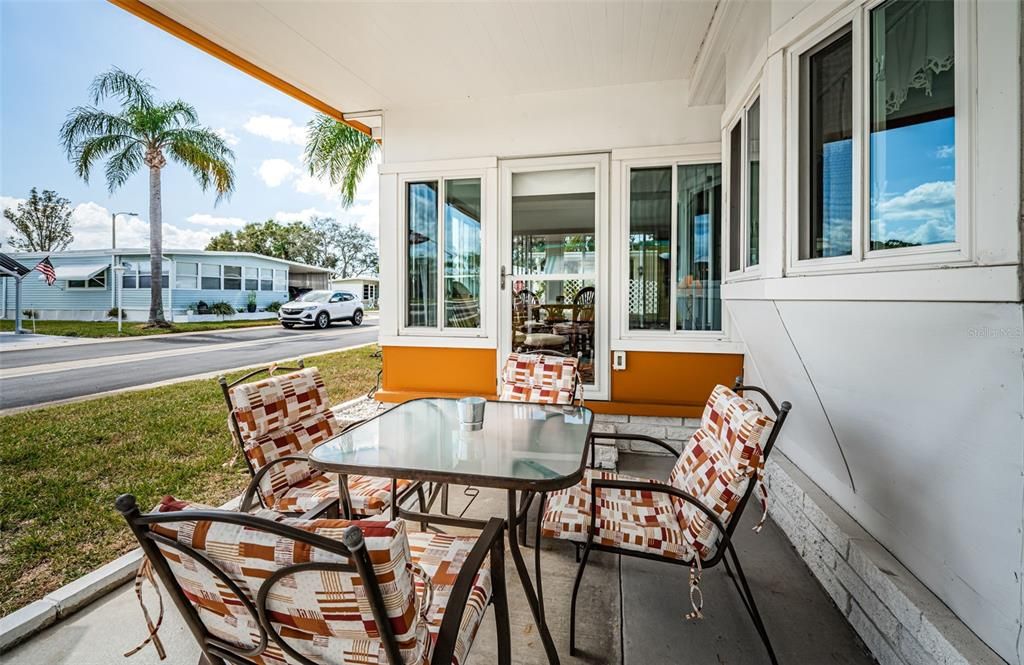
x=144, y=132
x=339, y=153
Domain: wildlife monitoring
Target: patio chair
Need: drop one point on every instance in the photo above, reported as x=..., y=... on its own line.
x=580, y=330
x=269, y=590
x=548, y=377
x=276, y=422
x=688, y=520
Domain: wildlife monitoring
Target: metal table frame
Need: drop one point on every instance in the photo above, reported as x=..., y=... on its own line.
x=520, y=494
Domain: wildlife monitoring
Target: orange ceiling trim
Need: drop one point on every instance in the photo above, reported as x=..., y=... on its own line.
x=166, y=23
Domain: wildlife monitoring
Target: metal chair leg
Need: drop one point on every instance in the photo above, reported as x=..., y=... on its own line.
x=444, y=499
x=524, y=499
x=575, y=591
x=536, y=553
x=422, y=497
x=752, y=606
x=499, y=599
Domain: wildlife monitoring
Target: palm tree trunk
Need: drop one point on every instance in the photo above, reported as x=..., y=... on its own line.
x=156, y=248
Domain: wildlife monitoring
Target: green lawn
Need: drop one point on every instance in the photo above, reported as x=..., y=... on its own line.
x=62, y=467
x=109, y=328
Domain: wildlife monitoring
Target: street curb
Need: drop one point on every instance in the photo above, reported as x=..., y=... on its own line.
x=22, y=624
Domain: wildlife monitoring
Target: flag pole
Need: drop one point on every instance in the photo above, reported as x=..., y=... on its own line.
x=17, y=305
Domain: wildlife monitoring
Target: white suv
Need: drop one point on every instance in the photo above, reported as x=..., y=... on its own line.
x=320, y=309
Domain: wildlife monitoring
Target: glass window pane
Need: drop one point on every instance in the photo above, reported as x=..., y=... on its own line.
x=827, y=162
x=650, y=252
x=252, y=281
x=553, y=216
x=421, y=248
x=912, y=147
x=266, y=279
x=699, y=246
x=555, y=315
x=128, y=281
x=735, y=195
x=753, y=182
x=186, y=275
x=211, y=276
x=76, y=284
x=232, y=278
x=461, y=253
x=280, y=280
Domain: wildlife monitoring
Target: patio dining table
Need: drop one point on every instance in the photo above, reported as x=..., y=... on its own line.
x=521, y=448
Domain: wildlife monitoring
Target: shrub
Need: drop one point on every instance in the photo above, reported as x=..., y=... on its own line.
x=29, y=313
x=113, y=312
x=222, y=309
x=273, y=306
x=252, y=298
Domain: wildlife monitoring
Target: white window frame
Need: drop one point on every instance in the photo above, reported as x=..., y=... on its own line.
x=246, y=278
x=698, y=156
x=283, y=282
x=262, y=277
x=139, y=272
x=440, y=177
x=224, y=277
x=745, y=270
x=862, y=258
x=101, y=274
x=196, y=277
x=220, y=276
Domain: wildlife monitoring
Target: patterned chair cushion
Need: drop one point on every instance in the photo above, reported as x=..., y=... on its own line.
x=633, y=520
x=325, y=616
x=441, y=557
x=717, y=464
x=537, y=378
x=264, y=406
x=296, y=438
x=369, y=495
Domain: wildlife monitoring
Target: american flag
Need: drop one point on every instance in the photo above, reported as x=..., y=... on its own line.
x=46, y=268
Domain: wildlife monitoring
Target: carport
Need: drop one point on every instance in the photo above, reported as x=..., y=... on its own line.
x=9, y=268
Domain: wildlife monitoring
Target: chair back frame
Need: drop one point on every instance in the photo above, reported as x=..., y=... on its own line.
x=352, y=547
x=226, y=386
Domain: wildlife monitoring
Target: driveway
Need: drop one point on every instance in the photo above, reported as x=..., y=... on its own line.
x=33, y=377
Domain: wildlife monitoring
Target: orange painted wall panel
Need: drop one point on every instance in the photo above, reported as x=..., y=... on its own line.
x=411, y=371
x=671, y=383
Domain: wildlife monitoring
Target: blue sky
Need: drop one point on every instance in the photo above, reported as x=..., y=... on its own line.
x=50, y=52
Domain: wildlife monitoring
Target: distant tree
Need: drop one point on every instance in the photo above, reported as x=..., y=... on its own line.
x=338, y=153
x=355, y=251
x=141, y=133
x=42, y=223
x=224, y=242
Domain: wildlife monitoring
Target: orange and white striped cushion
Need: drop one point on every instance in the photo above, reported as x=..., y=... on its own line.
x=529, y=377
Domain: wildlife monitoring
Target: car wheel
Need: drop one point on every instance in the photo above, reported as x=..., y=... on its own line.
x=288, y=325
x=323, y=320
x=357, y=318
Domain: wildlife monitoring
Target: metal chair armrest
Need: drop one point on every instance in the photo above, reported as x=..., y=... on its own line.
x=650, y=486
x=633, y=437
x=254, y=484
x=447, y=636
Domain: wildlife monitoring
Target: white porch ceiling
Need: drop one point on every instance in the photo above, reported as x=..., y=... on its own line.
x=359, y=56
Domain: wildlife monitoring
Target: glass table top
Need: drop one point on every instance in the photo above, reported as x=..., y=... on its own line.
x=519, y=446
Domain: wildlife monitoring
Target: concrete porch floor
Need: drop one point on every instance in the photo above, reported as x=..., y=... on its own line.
x=631, y=611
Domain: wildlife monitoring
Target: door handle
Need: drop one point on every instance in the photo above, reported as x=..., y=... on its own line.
x=503, y=276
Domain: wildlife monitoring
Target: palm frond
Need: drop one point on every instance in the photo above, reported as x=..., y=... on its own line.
x=205, y=154
x=88, y=151
x=339, y=153
x=86, y=122
x=131, y=89
x=124, y=164
x=179, y=113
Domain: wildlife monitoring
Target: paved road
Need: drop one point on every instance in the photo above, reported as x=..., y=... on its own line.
x=31, y=377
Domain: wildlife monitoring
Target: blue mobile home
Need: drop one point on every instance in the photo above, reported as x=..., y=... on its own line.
x=85, y=288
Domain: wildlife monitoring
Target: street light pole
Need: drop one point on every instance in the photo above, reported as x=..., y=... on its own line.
x=113, y=226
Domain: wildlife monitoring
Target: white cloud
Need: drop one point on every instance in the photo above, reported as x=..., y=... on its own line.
x=300, y=216
x=273, y=172
x=925, y=214
x=307, y=184
x=5, y=227
x=219, y=223
x=276, y=128
x=228, y=137
x=945, y=151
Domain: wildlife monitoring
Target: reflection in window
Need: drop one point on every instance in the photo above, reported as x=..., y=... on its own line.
x=186, y=275
x=912, y=146
x=827, y=167
x=650, y=253
x=699, y=270
x=753, y=182
x=553, y=222
x=266, y=279
x=421, y=284
x=462, y=253
x=252, y=281
x=550, y=315
x=735, y=198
